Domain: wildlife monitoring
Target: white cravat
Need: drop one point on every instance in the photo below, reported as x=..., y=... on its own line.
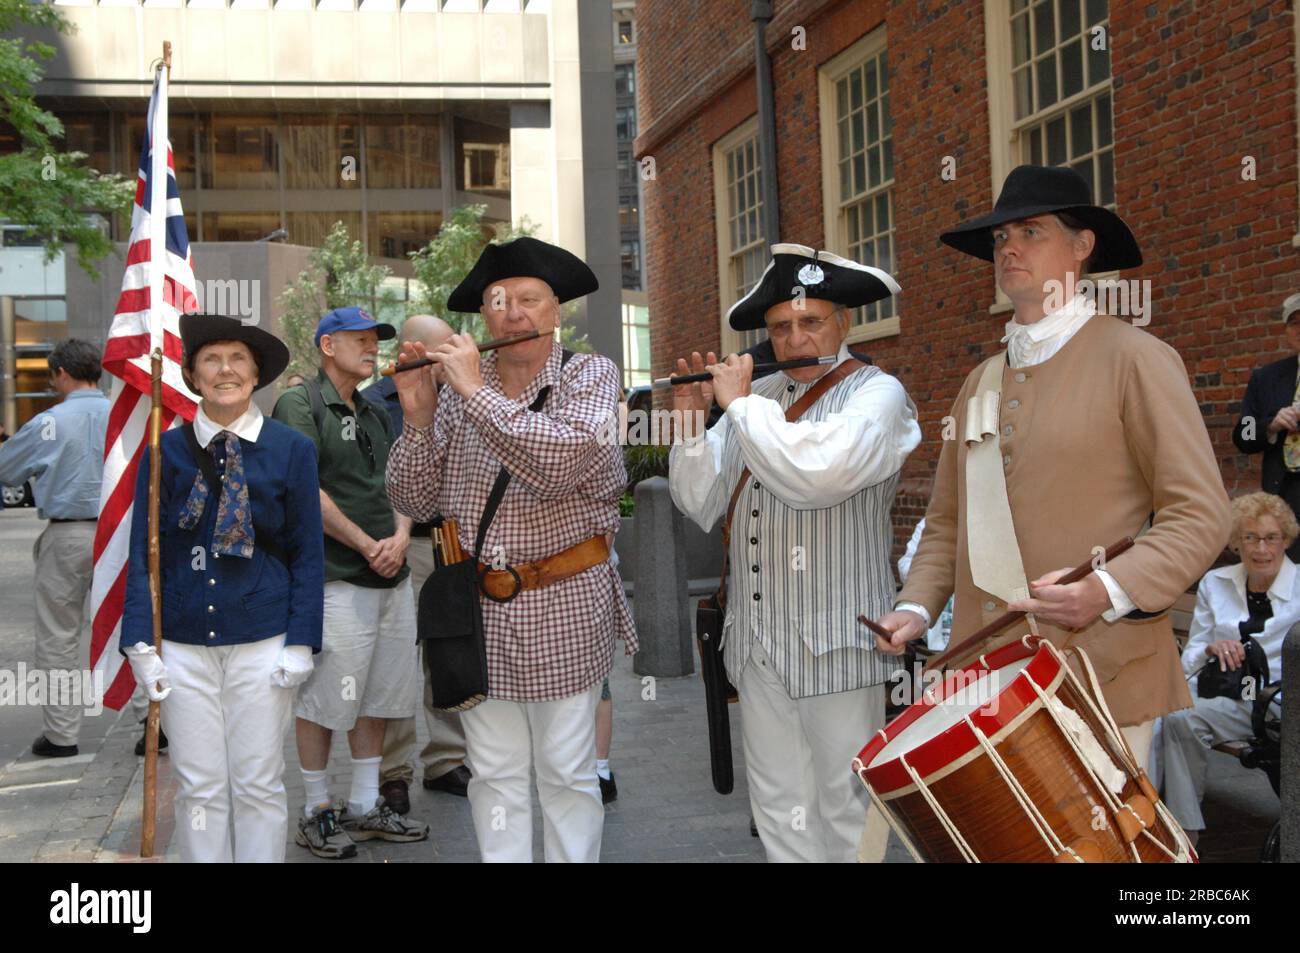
x=1029, y=344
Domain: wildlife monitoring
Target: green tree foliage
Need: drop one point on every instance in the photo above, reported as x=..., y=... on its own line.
x=338, y=274
x=48, y=191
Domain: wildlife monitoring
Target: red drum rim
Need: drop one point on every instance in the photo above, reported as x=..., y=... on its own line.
x=958, y=741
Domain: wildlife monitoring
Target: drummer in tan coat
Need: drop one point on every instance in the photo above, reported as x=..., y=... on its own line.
x=1098, y=433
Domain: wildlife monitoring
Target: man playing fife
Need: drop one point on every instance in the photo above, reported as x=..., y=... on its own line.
x=553, y=614
x=809, y=546
x=1096, y=433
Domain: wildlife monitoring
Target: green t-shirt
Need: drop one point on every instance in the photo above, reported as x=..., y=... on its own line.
x=352, y=455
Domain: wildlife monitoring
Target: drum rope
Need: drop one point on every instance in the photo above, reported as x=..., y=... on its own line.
x=1107, y=795
x=894, y=823
x=939, y=812
x=1048, y=835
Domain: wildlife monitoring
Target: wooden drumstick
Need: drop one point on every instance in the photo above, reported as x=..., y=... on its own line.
x=1006, y=619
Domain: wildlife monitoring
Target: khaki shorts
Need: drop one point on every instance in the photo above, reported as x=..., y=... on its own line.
x=367, y=666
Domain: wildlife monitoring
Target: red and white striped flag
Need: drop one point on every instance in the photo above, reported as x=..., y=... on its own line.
x=157, y=287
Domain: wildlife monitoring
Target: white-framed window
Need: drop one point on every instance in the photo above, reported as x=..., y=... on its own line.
x=858, y=170
x=742, y=247
x=1050, y=92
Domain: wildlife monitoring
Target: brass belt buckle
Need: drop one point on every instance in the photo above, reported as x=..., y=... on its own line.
x=519, y=583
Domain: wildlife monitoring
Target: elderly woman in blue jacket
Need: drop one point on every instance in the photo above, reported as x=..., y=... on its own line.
x=242, y=555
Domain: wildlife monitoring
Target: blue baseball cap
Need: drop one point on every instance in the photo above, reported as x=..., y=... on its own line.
x=352, y=319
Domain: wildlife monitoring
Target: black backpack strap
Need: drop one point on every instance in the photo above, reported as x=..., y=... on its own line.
x=503, y=477
x=312, y=386
x=262, y=538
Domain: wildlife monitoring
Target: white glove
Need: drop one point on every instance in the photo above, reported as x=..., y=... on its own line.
x=292, y=666
x=149, y=671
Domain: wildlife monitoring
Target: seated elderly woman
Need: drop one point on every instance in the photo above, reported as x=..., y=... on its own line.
x=242, y=558
x=1258, y=597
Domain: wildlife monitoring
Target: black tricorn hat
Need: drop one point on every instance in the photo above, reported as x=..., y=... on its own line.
x=820, y=274
x=269, y=352
x=566, y=273
x=1038, y=190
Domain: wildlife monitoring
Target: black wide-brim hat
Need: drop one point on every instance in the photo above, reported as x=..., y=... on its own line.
x=269, y=352
x=1038, y=190
x=566, y=273
x=820, y=274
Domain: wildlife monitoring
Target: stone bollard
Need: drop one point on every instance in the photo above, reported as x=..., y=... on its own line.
x=1291, y=747
x=660, y=600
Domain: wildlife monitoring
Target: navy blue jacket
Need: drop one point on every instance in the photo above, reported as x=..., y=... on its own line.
x=1271, y=388
x=227, y=600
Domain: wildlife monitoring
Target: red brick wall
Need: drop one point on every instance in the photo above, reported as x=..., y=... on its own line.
x=1196, y=87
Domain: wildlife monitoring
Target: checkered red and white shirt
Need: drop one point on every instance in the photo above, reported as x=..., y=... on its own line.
x=566, y=479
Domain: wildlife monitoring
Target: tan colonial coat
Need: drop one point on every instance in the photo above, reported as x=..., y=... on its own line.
x=1103, y=434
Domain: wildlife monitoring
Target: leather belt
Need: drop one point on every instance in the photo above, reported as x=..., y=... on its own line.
x=504, y=585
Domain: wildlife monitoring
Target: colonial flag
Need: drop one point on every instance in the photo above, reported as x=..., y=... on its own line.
x=157, y=288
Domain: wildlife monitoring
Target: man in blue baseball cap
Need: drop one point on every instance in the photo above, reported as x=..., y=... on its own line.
x=367, y=672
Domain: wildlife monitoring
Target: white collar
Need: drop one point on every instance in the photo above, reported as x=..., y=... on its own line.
x=1065, y=319
x=1283, y=582
x=246, y=427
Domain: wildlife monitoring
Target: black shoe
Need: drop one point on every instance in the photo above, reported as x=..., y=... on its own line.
x=753, y=827
x=396, y=795
x=162, y=743
x=42, y=747
x=608, y=789
x=455, y=781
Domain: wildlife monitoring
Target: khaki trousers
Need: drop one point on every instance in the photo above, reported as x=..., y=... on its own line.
x=63, y=554
x=446, y=748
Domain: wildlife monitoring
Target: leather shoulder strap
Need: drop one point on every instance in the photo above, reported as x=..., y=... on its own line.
x=793, y=413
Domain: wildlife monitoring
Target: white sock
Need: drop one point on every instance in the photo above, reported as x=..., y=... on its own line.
x=318, y=792
x=602, y=768
x=365, y=785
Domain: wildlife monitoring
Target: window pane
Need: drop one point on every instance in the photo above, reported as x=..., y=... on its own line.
x=884, y=72
x=240, y=226
x=1098, y=64
x=887, y=123
x=482, y=157
x=873, y=123
x=882, y=211
x=1070, y=23
x=1084, y=169
x=1023, y=82
x=844, y=138
x=855, y=89
x=859, y=173
x=1046, y=71
x=1020, y=40
x=857, y=132
x=1081, y=130
x=1056, y=153
x=869, y=71
x=395, y=234
x=310, y=228
x=1044, y=28
x=1035, y=156
x=1106, y=175
x=403, y=153
x=874, y=165
x=846, y=185
x=1103, y=120
x=1097, y=10
x=889, y=159
x=1071, y=68
x=243, y=153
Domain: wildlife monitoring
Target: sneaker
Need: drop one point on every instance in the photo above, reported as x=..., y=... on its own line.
x=608, y=789
x=322, y=835
x=382, y=823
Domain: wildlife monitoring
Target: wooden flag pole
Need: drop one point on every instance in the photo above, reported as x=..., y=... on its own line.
x=155, y=595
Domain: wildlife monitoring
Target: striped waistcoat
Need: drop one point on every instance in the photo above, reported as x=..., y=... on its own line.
x=799, y=578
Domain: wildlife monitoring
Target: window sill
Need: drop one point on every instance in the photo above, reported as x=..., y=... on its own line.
x=885, y=328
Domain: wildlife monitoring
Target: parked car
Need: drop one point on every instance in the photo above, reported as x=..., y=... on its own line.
x=18, y=495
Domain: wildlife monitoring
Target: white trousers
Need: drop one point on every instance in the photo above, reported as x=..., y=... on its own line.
x=503, y=741
x=225, y=725
x=798, y=759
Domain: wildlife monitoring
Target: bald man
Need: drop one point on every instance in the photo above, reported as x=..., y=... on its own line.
x=443, y=758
